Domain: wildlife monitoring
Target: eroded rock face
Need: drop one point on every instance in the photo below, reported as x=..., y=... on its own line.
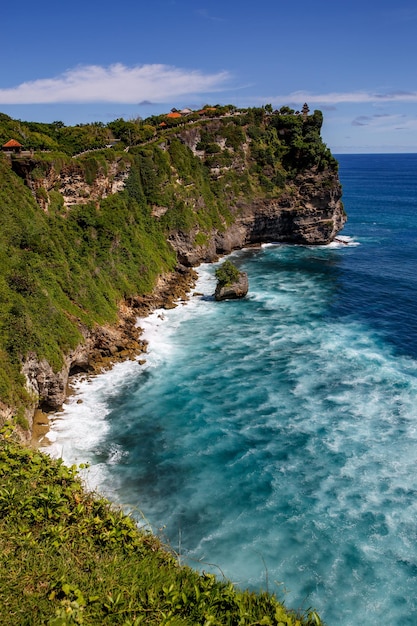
x=236, y=290
x=75, y=190
x=101, y=348
x=48, y=386
x=71, y=183
x=310, y=213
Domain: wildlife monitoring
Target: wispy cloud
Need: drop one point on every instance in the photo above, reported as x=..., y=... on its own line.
x=378, y=119
x=207, y=16
x=116, y=83
x=362, y=120
x=352, y=97
x=386, y=122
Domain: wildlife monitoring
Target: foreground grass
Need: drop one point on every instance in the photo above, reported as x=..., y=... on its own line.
x=69, y=557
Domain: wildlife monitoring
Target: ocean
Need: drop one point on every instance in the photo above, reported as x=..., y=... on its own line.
x=273, y=440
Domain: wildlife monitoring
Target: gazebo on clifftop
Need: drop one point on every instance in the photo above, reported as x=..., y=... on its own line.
x=12, y=147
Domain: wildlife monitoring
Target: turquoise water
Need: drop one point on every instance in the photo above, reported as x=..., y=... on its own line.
x=274, y=439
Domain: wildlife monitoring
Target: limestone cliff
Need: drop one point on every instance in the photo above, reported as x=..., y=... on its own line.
x=294, y=199
x=102, y=346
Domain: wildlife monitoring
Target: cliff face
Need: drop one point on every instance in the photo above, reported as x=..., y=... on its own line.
x=294, y=198
x=70, y=181
x=102, y=346
x=311, y=213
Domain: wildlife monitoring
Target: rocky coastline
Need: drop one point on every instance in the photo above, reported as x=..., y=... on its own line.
x=306, y=210
x=102, y=348
x=312, y=216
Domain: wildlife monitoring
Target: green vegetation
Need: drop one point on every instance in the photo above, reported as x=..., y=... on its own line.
x=227, y=274
x=68, y=557
x=60, y=270
x=55, y=136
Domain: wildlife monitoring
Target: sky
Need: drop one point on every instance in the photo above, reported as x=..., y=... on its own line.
x=85, y=61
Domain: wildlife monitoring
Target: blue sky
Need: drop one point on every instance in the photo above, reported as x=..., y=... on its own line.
x=84, y=61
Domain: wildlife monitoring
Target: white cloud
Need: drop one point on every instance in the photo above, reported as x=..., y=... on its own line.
x=116, y=83
x=351, y=97
x=386, y=121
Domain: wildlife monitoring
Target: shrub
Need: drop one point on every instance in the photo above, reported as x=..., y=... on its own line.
x=227, y=274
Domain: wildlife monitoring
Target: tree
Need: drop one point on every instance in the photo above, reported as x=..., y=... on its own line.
x=286, y=111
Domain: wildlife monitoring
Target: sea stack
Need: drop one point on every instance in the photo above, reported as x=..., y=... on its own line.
x=231, y=283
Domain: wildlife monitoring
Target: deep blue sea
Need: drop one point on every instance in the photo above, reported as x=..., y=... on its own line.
x=274, y=439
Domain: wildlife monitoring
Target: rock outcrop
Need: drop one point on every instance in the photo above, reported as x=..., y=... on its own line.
x=237, y=289
x=102, y=347
x=70, y=181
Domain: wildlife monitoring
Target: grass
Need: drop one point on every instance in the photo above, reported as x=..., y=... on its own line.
x=69, y=557
x=227, y=274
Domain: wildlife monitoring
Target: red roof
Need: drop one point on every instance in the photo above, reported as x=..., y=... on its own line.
x=174, y=115
x=12, y=143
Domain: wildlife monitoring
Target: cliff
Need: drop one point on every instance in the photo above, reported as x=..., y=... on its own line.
x=104, y=345
x=91, y=242
x=311, y=214
x=273, y=192
x=74, y=182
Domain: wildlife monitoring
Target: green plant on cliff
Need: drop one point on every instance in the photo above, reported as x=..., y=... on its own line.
x=302, y=144
x=69, y=557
